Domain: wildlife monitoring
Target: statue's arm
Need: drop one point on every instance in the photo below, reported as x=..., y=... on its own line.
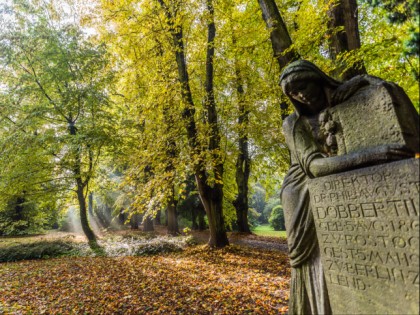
x=348, y=88
x=371, y=156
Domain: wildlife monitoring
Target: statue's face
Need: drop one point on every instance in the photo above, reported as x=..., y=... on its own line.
x=308, y=92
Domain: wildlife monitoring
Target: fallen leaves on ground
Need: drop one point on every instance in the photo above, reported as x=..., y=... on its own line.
x=234, y=280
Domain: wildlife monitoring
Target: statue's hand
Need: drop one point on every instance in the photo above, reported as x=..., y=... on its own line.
x=348, y=88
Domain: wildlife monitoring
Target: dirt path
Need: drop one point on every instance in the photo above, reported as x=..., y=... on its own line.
x=249, y=240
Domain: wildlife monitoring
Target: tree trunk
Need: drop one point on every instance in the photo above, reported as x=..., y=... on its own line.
x=83, y=214
x=172, y=219
x=135, y=221
x=80, y=187
x=148, y=224
x=121, y=217
x=90, y=204
x=172, y=226
x=194, y=225
x=343, y=14
x=243, y=162
x=280, y=38
x=157, y=218
x=201, y=213
x=19, y=207
x=212, y=206
x=198, y=213
x=211, y=195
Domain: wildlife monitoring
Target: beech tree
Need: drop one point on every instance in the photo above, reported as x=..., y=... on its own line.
x=56, y=80
x=211, y=190
x=243, y=160
x=160, y=50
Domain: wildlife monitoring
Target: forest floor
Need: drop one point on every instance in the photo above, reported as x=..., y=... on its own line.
x=251, y=276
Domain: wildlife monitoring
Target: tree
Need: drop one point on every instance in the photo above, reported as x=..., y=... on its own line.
x=243, y=161
x=258, y=202
x=160, y=51
x=279, y=35
x=378, y=35
x=190, y=205
x=281, y=42
x=28, y=199
x=148, y=224
x=401, y=11
x=270, y=205
x=210, y=186
x=344, y=36
x=58, y=80
x=277, y=219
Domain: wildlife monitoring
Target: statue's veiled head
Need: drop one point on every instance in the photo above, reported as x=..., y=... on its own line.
x=307, y=87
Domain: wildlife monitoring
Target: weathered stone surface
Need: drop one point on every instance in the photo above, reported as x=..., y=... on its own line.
x=367, y=224
x=376, y=115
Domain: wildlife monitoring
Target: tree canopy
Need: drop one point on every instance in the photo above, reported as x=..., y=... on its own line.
x=153, y=92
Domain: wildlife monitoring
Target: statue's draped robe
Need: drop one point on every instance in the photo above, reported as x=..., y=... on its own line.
x=308, y=288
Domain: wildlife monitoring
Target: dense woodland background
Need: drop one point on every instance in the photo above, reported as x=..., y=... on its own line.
x=169, y=112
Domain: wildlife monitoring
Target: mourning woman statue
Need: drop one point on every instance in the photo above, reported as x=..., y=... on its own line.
x=312, y=91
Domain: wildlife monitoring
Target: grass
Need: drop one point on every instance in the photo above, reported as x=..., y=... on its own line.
x=267, y=230
x=36, y=250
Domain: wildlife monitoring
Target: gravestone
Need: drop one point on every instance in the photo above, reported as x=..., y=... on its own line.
x=367, y=224
x=367, y=220
x=377, y=114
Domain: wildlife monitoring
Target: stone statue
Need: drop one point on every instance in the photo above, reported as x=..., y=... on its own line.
x=314, y=138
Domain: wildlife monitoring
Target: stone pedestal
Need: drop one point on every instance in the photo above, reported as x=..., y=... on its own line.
x=367, y=224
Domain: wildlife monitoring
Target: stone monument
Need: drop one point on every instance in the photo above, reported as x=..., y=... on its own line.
x=351, y=196
x=367, y=224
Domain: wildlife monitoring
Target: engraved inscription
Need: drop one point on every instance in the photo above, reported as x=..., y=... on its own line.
x=367, y=224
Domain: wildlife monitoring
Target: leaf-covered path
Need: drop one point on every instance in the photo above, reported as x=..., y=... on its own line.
x=235, y=280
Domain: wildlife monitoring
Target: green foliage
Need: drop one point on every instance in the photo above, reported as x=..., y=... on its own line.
x=148, y=81
x=55, y=111
x=36, y=250
x=21, y=217
x=253, y=217
x=258, y=201
x=399, y=12
x=130, y=244
x=111, y=77
x=263, y=204
x=276, y=219
x=378, y=35
x=270, y=205
x=308, y=28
